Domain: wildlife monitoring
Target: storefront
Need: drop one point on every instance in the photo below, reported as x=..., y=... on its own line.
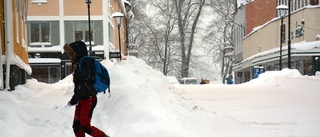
x=305, y=57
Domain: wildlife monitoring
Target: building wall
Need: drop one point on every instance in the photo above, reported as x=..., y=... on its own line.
x=268, y=37
x=79, y=8
x=13, y=43
x=71, y=8
x=258, y=12
x=51, y=8
x=311, y=18
x=19, y=30
x=68, y=22
x=264, y=39
x=239, y=32
x=78, y=11
x=116, y=7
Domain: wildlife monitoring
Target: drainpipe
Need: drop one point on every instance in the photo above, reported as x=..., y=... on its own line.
x=7, y=3
x=1, y=70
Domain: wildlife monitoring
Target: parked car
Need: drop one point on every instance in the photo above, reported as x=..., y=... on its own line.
x=172, y=80
x=190, y=80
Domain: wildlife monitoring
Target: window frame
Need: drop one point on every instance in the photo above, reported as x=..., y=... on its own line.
x=40, y=42
x=84, y=30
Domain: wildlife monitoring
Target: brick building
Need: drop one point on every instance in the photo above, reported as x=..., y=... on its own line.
x=259, y=46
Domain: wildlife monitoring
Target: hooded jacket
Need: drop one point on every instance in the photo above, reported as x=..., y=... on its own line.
x=84, y=79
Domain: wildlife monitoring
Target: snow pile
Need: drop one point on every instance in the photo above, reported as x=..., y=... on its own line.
x=139, y=101
x=144, y=104
x=141, y=104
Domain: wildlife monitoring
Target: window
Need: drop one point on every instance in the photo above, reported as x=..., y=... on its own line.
x=48, y=73
x=314, y=2
x=79, y=31
x=39, y=32
x=302, y=3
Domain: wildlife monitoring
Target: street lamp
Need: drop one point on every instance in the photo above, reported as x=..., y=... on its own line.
x=282, y=10
x=289, y=34
x=118, y=16
x=89, y=22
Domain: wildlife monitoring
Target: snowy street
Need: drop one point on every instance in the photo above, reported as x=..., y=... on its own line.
x=278, y=110
x=143, y=104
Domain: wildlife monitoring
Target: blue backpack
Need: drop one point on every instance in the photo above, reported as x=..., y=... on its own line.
x=102, y=76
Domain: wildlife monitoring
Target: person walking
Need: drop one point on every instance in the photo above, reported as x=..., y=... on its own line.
x=202, y=82
x=84, y=97
x=229, y=79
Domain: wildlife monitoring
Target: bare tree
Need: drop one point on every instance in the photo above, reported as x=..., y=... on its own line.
x=220, y=35
x=166, y=38
x=188, y=13
x=136, y=30
x=155, y=35
x=166, y=21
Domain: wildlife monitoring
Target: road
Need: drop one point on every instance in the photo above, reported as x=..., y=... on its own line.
x=257, y=111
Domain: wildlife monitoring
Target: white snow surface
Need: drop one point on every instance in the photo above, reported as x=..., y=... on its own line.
x=143, y=104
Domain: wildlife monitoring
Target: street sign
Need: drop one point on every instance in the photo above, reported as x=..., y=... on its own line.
x=114, y=55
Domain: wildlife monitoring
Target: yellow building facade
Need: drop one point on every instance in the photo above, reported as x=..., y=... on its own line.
x=13, y=40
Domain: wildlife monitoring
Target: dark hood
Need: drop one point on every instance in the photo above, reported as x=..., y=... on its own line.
x=80, y=48
x=77, y=49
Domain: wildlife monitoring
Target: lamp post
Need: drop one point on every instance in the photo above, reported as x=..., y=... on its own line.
x=89, y=22
x=118, y=16
x=282, y=9
x=289, y=34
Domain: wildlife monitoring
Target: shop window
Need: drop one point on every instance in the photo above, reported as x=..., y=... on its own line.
x=46, y=73
x=314, y=2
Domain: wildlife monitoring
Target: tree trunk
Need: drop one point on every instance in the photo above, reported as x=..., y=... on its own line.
x=182, y=21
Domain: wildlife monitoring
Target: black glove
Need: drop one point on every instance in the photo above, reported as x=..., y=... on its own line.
x=69, y=104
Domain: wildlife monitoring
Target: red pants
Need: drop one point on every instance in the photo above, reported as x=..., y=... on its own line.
x=82, y=119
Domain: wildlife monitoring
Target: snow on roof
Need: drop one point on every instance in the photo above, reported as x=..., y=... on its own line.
x=19, y=62
x=44, y=60
x=301, y=46
x=46, y=49
x=59, y=48
x=306, y=45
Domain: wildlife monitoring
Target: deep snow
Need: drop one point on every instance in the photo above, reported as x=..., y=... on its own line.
x=143, y=104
